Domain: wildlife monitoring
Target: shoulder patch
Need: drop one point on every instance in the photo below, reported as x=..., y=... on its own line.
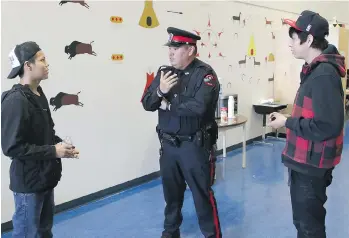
x=209, y=80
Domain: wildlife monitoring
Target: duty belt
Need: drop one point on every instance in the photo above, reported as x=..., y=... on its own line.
x=174, y=140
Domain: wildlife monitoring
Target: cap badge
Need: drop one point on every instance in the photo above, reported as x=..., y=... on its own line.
x=308, y=28
x=170, y=37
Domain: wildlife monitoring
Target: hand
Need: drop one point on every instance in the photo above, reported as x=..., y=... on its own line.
x=167, y=82
x=64, y=150
x=276, y=120
x=163, y=105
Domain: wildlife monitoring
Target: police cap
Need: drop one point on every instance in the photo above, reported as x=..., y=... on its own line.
x=178, y=37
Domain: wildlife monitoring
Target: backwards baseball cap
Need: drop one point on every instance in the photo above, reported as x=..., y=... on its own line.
x=19, y=55
x=311, y=23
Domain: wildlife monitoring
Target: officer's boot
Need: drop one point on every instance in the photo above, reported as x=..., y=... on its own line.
x=174, y=235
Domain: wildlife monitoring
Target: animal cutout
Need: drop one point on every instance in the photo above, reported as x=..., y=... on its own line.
x=256, y=63
x=272, y=35
x=271, y=79
x=283, y=22
x=268, y=22
x=150, y=78
x=77, y=48
x=242, y=62
x=64, y=99
x=148, y=18
x=82, y=3
x=236, y=18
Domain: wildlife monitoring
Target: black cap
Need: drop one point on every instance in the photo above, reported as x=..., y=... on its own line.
x=19, y=55
x=310, y=22
x=178, y=37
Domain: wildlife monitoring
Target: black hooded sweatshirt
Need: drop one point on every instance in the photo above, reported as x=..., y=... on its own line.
x=315, y=129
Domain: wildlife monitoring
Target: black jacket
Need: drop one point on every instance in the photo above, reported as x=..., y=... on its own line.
x=28, y=138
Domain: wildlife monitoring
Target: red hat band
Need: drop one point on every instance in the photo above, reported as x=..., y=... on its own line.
x=183, y=39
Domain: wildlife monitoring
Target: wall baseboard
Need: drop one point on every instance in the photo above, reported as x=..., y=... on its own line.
x=7, y=226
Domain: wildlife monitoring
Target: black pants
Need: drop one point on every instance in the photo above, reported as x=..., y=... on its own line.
x=308, y=196
x=192, y=164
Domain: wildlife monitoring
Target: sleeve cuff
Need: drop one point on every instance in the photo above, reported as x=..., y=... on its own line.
x=290, y=123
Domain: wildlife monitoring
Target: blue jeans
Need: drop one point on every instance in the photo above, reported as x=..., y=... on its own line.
x=33, y=217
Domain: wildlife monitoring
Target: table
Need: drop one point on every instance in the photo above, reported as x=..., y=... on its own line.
x=265, y=109
x=238, y=121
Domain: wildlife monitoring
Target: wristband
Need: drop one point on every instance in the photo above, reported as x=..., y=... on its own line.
x=160, y=94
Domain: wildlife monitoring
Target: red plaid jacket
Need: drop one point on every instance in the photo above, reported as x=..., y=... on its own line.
x=314, y=132
x=324, y=154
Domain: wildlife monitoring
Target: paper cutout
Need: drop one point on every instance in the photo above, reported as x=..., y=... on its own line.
x=272, y=35
x=256, y=62
x=82, y=3
x=268, y=22
x=283, y=22
x=117, y=57
x=116, y=19
x=240, y=62
x=77, y=48
x=271, y=57
x=271, y=79
x=236, y=18
x=150, y=78
x=251, y=48
x=64, y=99
x=175, y=12
x=210, y=39
x=148, y=18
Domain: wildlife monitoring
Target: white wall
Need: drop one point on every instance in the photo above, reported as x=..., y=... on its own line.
x=115, y=135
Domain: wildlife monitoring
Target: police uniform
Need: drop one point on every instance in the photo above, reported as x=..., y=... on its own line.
x=188, y=132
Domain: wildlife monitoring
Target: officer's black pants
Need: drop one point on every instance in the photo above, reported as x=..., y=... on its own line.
x=192, y=164
x=308, y=196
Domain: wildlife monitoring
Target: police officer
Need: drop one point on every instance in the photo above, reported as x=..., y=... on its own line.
x=185, y=95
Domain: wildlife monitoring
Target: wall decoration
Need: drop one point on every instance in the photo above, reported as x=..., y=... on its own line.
x=116, y=19
x=236, y=35
x=256, y=63
x=268, y=22
x=240, y=62
x=175, y=12
x=210, y=39
x=243, y=77
x=272, y=35
x=271, y=57
x=251, y=48
x=82, y=3
x=229, y=85
x=77, y=47
x=117, y=57
x=150, y=78
x=283, y=22
x=148, y=18
x=236, y=18
x=64, y=99
x=230, y=68
x=271, y=79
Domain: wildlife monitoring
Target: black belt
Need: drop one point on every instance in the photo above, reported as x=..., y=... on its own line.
x=172, y=139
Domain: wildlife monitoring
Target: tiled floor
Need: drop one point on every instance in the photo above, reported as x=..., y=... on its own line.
x=252, y=202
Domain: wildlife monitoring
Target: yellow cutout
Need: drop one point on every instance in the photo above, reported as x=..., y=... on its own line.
x=148, y=18
x=116, y=19
x=251, y=48
x=117, y=57
x=271, y=57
